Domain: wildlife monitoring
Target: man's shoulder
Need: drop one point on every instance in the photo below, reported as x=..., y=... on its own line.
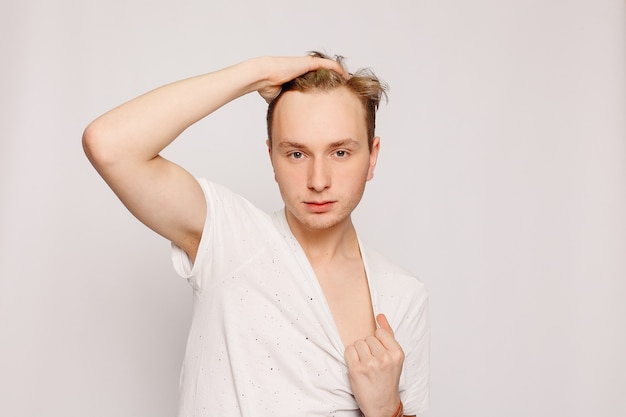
x=232, y=220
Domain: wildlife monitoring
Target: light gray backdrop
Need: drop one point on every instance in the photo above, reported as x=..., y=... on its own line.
x=501, y=183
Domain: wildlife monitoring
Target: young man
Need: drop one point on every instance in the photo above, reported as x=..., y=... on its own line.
x=286, y=306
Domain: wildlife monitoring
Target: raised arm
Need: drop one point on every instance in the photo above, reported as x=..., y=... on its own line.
x=124, y=144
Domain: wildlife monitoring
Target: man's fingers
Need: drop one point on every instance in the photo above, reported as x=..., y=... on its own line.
x=330, y=64
x=351, y=356
x=284, y=69
x=384, y=323
x=385, y=334
x=377, y=346
x=363, y=349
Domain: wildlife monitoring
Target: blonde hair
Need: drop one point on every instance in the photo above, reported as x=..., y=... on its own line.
x=368, y=88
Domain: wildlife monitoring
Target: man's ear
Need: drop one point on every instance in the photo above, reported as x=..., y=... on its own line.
x=268, y=142
x=373, y=157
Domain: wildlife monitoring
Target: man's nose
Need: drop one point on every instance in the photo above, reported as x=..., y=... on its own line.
x=319, y=175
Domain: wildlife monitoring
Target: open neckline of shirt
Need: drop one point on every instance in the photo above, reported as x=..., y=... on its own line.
x=305, y=264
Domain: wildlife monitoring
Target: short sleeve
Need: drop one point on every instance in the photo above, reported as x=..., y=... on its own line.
x=183, y=265
x=229, y=237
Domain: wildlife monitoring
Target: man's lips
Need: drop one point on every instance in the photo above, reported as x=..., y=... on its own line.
x=319, y=206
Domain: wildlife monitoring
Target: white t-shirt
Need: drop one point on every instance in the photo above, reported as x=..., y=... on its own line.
x=262, y=340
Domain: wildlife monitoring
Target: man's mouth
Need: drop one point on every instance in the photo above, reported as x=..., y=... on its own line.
x=319, y=206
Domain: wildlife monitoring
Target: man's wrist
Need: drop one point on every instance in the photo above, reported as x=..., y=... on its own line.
x=399, y=411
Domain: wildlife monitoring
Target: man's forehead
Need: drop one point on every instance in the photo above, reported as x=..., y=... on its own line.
x=319, y=117
x=337, y=94
x=307, y=106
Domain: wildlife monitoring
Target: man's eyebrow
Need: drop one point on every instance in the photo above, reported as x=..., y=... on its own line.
x=288, y=144
x=349, y=142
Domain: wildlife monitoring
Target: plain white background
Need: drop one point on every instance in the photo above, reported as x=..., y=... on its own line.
x=501, y=183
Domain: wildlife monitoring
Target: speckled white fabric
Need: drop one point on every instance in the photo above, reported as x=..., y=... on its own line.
x=262, y=339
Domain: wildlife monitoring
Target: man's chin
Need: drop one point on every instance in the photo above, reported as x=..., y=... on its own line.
x=317, y=222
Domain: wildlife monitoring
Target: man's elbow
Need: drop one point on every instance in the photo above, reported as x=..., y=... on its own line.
x=97, y=147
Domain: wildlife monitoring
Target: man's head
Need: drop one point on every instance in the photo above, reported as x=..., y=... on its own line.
x=322, y=146
x=363, y=84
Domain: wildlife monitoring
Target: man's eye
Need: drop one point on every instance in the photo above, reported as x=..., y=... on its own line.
x=341, y=154
x=296, y=155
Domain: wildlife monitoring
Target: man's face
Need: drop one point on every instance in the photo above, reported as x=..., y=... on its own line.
x=321, y=157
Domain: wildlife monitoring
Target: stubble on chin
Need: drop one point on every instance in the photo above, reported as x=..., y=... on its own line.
x=317, y=222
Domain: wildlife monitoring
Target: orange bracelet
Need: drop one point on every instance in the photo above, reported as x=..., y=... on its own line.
x=399, y=412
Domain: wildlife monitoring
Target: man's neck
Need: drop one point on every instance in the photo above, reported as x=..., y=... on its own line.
x=323, y=246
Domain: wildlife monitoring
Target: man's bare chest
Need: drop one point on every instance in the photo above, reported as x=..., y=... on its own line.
x=347, y=293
